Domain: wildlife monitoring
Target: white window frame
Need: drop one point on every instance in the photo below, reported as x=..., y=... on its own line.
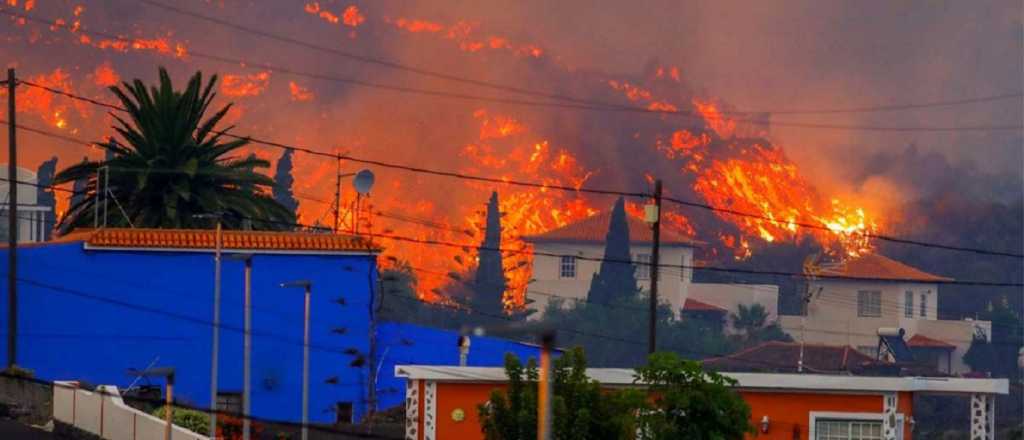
x=567, y=264
x=861, y=308
x=908, y=304
x=813, y=417
x=642, y=262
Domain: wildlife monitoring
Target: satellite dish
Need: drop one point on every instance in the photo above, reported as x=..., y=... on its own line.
x=363, y=182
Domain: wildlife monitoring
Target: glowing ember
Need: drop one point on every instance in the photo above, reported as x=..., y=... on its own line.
x=299, y=93
x=463, y=34
x=252, y=84
x=352, y=17
x=105, y=76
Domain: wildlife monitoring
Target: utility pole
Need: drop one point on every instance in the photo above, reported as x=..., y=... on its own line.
x=655, y=219
x=337, y=196
x=12, y=224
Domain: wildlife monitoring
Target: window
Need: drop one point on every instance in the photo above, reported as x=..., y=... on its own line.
x=908, y=304
x=924, y=305
x=567, y=267
x=847, y=430
x=643, y=266
x=343, y=412
x=230, y=403
x=869, y=303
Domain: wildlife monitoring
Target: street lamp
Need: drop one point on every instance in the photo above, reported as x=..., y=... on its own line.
x=168, y=374
x=215, y=351
x=246, y=345
x=307, y=288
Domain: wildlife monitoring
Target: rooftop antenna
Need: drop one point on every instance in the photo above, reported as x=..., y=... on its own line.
x=363, y=182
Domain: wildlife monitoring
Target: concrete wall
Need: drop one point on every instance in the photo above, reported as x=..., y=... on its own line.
x=91, y=315
x=672, y=285
x=104, y=414
x=838, y=299
x=30, y=215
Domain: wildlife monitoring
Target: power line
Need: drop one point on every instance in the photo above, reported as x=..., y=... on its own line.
x=581, y=189
x=513, y=101
x=672, y=266
x=530, y=92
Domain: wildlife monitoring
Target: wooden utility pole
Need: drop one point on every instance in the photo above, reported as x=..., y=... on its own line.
x=12, y=224
x=655, y=253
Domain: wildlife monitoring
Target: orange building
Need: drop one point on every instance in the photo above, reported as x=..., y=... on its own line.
x=441, y=402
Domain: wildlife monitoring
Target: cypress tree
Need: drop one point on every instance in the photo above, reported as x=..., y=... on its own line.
x=616, y=277
x=490, y=274
x=45, y=197
x=283, y=182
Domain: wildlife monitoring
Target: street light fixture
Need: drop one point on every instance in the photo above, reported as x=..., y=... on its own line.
x=215, y=350
x=168, y=374
x=246, y=345
x=307, y=288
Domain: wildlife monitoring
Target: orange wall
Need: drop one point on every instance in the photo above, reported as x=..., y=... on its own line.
x=786, y=411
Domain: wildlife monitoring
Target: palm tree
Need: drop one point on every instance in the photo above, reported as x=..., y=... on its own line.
x=171, y=164
x=750, y=319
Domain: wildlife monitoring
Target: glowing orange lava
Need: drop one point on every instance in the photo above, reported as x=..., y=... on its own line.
x=252, y=84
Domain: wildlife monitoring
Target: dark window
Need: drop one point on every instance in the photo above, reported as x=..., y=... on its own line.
x=567, y=267
x=229, y=402
x=343, y=412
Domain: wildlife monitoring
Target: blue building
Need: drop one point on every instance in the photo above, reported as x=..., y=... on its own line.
x=96, y=303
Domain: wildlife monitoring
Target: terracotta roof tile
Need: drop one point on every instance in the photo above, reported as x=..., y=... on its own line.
x=692, y=305
x=922, y=341
x=777, y=356
x=205, y=239
x=595, y=229
x=875, y=266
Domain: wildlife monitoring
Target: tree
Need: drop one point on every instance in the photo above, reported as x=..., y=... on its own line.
x=45, y=197
x=171, y=163
x=490, y=285
x=752, y=322
x=580, y=408
x=689, y=402
x=79, y=188
x=283, y=182
x=616, y=277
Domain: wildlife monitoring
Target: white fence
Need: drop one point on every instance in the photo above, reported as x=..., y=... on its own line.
x=104, y=413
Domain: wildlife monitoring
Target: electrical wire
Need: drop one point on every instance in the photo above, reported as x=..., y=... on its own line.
x=537, y=93
x=512, y=101
x=555, y=187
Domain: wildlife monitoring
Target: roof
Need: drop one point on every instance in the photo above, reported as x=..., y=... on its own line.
x=205, y=239
x=594, y=229
x=778, y=356
x=768, y=381
x=692, y=305
x=922, y=341
x=877, y=267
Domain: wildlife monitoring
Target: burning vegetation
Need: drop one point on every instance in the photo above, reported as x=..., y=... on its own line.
x=705, y=154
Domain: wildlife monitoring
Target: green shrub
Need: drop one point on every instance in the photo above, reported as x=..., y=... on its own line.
x=190, y=419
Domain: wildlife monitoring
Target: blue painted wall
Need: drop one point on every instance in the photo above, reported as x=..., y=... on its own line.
x=406, y=344
x=91, y=315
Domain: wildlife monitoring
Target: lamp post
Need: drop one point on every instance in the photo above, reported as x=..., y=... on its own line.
x=168, y=374
x=246, y=346
x=215, y=350
x=307, y=288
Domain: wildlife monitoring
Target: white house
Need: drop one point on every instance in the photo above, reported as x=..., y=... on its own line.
x=871, y=292
x=566, y=259
x=31, y=215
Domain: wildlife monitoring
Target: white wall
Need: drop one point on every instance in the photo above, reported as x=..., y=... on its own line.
x=672, y=283
x=104, y=413
x=838, y=300
x=30, y=215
